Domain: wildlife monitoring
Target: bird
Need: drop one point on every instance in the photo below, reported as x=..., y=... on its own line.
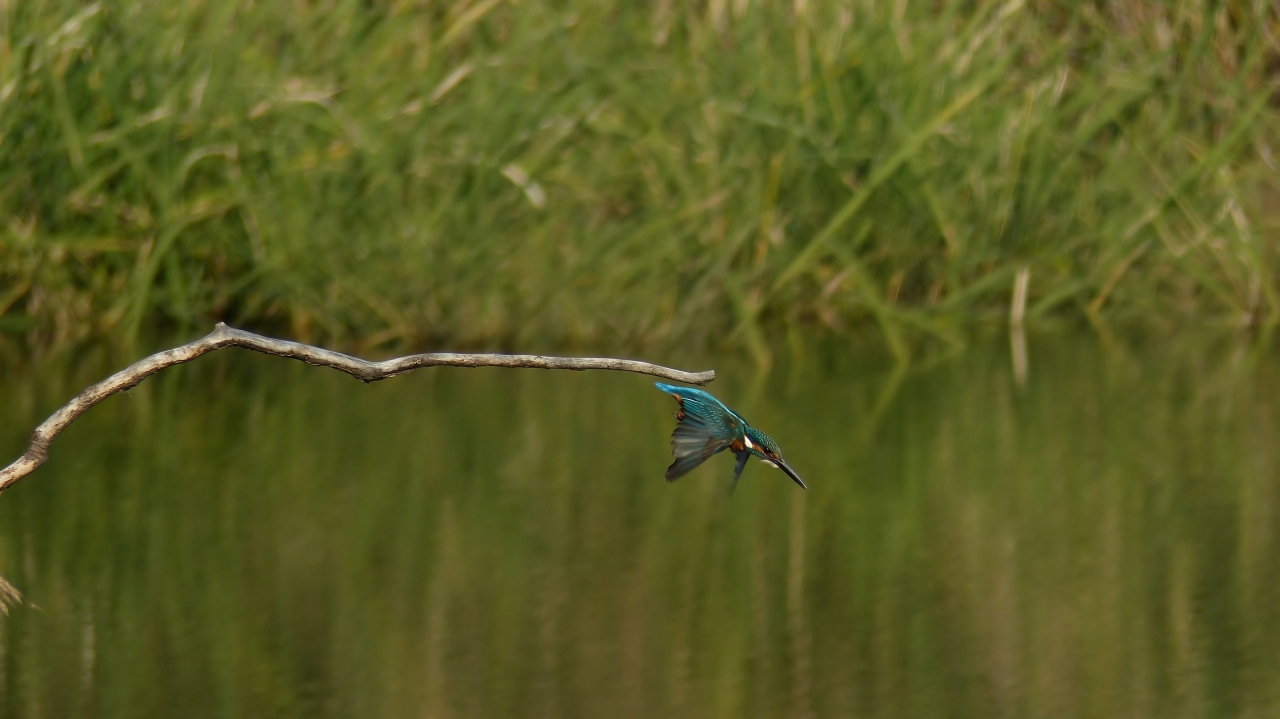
x=706, y=426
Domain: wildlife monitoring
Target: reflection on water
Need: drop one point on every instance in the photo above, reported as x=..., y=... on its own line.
x=251, y=537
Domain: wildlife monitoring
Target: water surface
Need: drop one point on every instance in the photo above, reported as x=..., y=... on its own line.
x=248, y=536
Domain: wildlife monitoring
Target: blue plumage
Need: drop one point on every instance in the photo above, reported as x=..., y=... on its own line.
x=706, y=426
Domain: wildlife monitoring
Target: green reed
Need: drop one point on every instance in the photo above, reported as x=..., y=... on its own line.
x=487, y=173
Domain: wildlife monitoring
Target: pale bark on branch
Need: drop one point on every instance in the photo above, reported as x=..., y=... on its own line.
x=224, y=336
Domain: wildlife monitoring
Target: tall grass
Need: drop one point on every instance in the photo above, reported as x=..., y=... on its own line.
x=551, y=173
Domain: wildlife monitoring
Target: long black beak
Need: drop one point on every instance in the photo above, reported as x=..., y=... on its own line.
x=782, y=464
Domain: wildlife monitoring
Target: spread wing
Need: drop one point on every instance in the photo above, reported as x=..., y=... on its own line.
x=705, y=427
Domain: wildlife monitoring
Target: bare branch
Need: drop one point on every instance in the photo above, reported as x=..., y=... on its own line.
x=224, y=336
x=9, y=596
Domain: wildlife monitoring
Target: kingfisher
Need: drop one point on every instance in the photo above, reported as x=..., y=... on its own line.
x=706, y=427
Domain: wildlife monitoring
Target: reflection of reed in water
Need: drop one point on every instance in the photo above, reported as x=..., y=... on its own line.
x=797, y=619
x=1017, y=337
x=1100, y=542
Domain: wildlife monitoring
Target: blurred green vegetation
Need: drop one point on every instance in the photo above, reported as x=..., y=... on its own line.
x=487, y=543
x=488, y=173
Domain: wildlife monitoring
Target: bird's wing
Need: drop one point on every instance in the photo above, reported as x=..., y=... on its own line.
x=737, y=470
x=691, y=446
x=705, y=427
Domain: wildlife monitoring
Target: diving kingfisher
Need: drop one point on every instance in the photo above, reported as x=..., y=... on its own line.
x=706, y=427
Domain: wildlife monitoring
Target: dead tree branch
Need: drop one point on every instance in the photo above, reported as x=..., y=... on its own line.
x=224, y=336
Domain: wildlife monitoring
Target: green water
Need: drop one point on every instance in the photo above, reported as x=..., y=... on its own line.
x=251, y=537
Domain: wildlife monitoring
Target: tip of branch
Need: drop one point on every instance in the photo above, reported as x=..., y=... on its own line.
x=9, y=596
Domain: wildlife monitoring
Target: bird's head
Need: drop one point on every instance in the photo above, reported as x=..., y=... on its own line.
x=762, y=446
